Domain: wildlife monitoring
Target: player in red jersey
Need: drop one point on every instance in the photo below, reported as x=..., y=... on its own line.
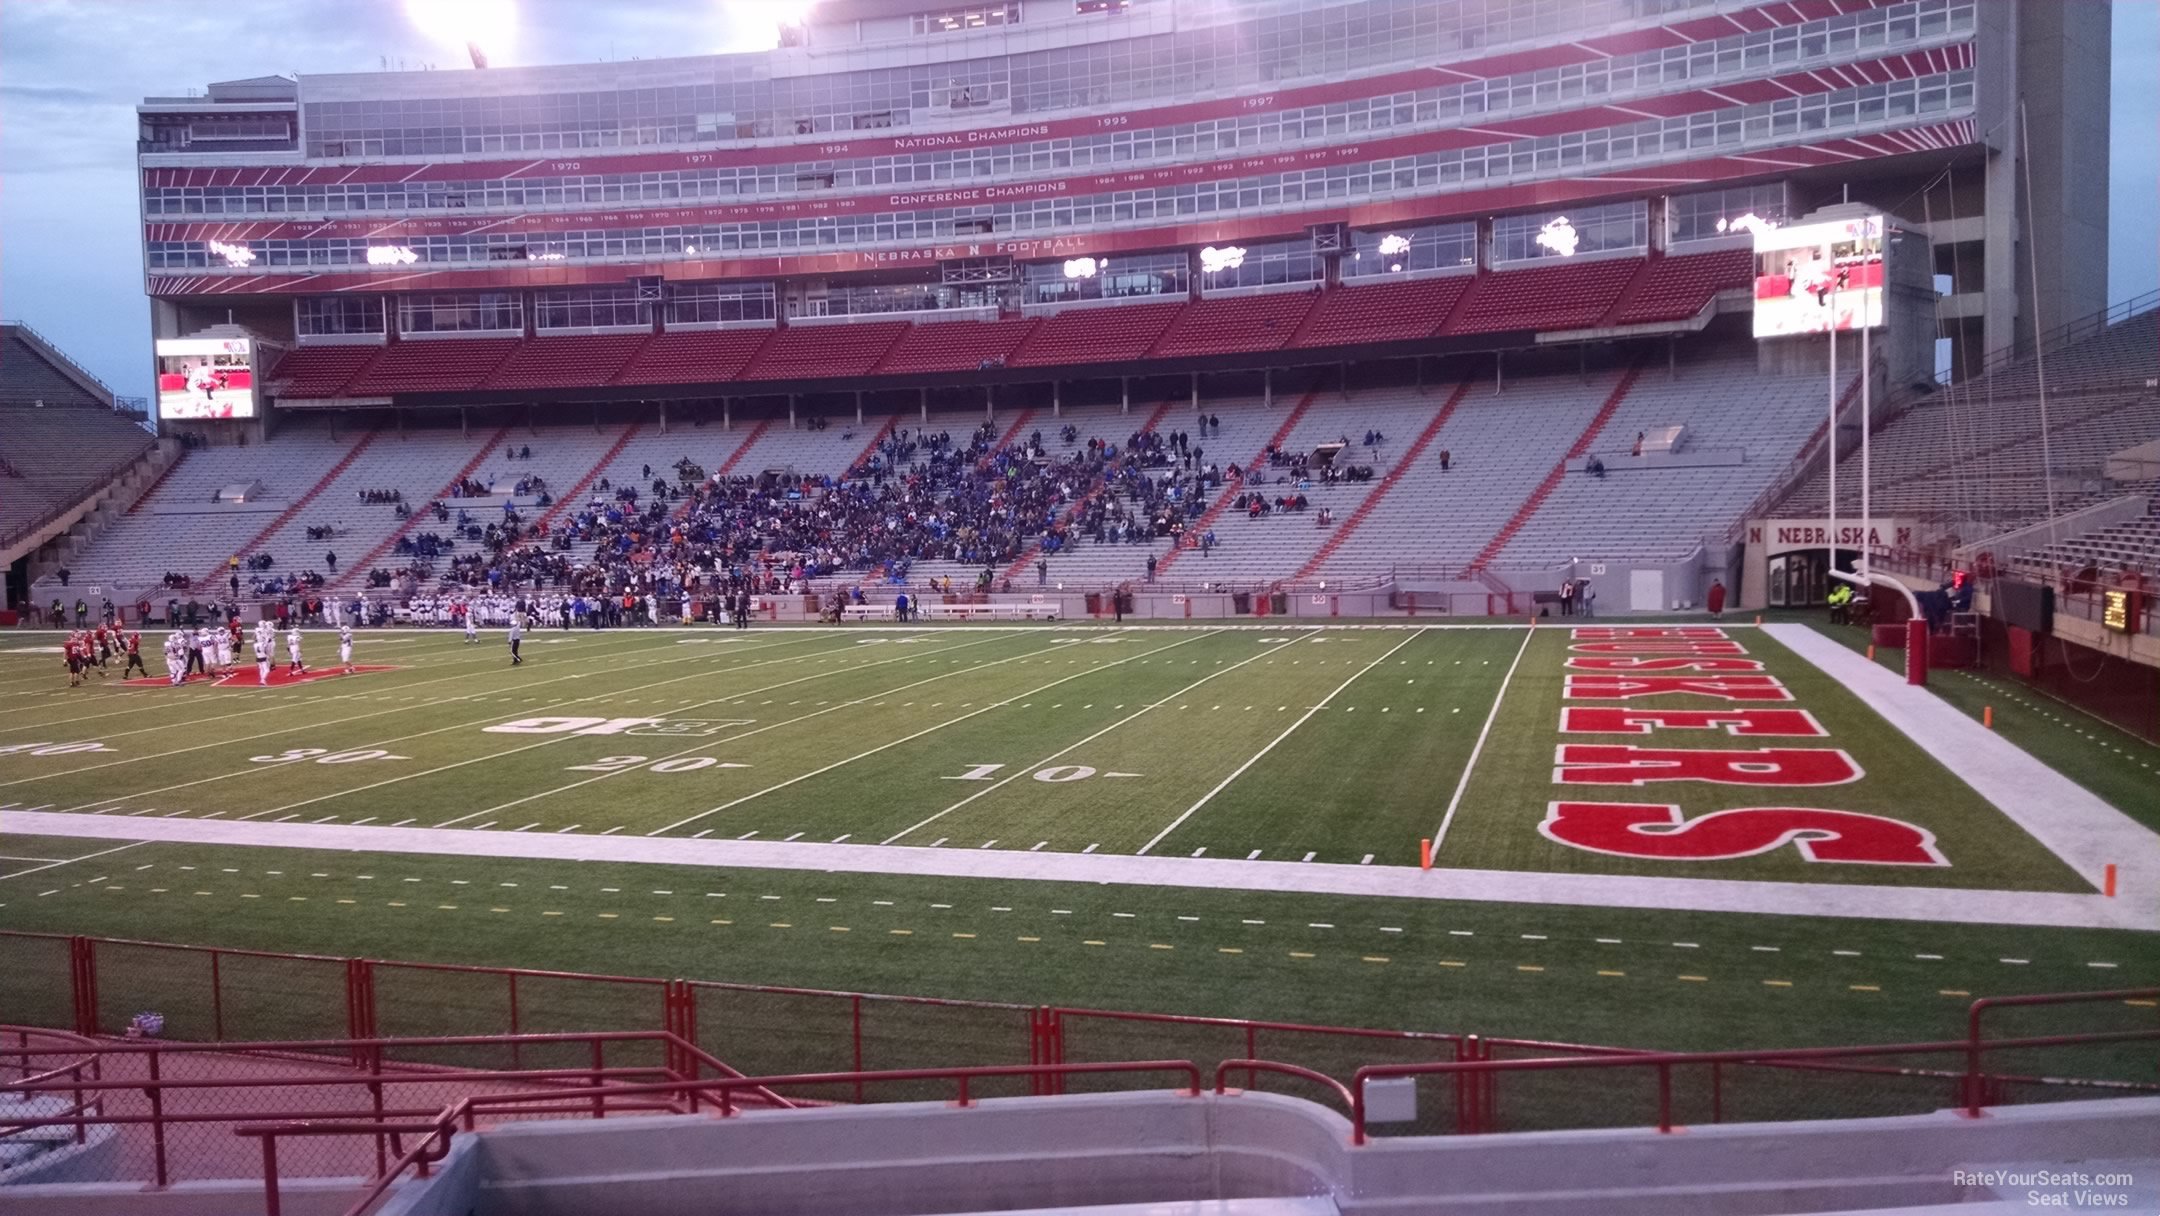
x=134, y=654
x=71, y=657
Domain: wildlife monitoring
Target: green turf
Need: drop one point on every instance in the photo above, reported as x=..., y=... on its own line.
x=1236, y=743
x=1513, y=783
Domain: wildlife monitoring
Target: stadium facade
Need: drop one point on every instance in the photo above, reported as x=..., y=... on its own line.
x=998, y=159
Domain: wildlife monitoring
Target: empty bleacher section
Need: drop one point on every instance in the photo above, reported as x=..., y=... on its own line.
x=693, y=357
x=315, y=372
x=2103, y=554
x=1675, y=288
x=1235, y=325
x=1385, y=312
x=566, y=362
x=1740, y=428
x=954, y=346
x=805, y=352
x=1972, y=456
x=435, y=365
x=1113, y=334
x=61, y=443
x=1572, y=296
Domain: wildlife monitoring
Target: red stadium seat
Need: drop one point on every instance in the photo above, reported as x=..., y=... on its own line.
x=1677, y=288
x=432, y=365
x=1112, y=333
x=310, y=372
x=1236, y=324
x=1570, y=296
x=818, y=352
x=696, y=357
x=956, y=346
x=586, y=361
x=1383, y=312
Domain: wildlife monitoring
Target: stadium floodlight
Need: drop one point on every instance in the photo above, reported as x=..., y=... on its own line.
x=1229, y=257
x=234, y=255
x=1560, y=236
x=761, y=25
x=1750, y=222
x=1394, y=243
x=545, y=257
x=472, y=26
x=1082, y=268
x=391, y=255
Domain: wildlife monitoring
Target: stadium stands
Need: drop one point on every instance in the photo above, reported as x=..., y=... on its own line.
x=1676, y=288
x=1235, y=325
x=1385, y=312
x=1571, y=296
x=314, y=372
x=2130, y=547
x=692, y=357
x=954, y=346
x=61, y=442
x=566, y=362
x=803, y=352
x=435, y=365
x=1112, y=334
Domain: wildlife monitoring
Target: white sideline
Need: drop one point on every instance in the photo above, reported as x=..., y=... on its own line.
x=1398, y=882
x=2071, y=821
x=1492, y=715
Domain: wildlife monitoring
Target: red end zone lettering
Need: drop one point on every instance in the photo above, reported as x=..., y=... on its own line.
x=1724, y=688
x=1625, y=720
x=1613, y=633
x=1670, y=663
x=1655, y=646
x=1626, y=764
x=1624, y=829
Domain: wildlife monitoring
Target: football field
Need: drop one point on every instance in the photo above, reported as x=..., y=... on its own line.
x=1696, y=774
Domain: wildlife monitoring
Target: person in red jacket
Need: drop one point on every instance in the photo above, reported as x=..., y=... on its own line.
x=134, y=654
x=1715, y=601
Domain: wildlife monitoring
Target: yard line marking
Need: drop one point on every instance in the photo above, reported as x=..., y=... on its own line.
x=354, y=718
x=1053, y=757
x=702, y=835
x=1310, y=856
x=848, y=669
x=71, y=860
x=1239, y=771
x=823, y=769
x=1253, y=856
x=1470, y=766
x=572, y=828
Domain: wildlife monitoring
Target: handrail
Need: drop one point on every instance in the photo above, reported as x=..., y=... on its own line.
x=1249, y=1067
x=1664, y=1062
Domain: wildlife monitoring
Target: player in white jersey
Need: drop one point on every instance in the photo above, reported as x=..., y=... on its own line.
x=292, y=648
x=472, y=625
x=262, y=657
x=221, y=644
x=175, y=658
x=344, y=647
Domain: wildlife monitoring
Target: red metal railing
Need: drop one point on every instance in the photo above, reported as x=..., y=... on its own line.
x=1475, y=1098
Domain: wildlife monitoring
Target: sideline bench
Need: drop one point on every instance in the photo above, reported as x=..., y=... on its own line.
x=990, y=612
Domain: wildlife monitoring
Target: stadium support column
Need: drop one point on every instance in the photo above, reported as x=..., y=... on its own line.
x=1057, y=403
x=922, y=396
x=727, y=413
x=1196, y=392
x=663, y=417
x=1267, y=389
x=858, y=407
x=1124, y=395
x=791, y=411
x=989, y=404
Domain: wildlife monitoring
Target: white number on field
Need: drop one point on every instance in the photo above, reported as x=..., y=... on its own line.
x=1056, y=774
x=323, y=755
x=51, y=749
x=677, y=764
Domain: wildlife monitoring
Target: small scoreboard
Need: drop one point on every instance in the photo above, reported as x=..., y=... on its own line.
x=2119, y=610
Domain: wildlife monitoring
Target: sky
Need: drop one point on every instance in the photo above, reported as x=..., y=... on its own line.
x=70, y=247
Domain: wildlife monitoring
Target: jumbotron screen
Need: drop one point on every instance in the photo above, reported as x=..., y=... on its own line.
x=1814, y=278
x=206, y=378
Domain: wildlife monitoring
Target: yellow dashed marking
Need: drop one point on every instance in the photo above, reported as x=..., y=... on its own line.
x=1694, y=979
x=347, y=901
x=296, y=899
x=903, y=932
x=551, y=914
x=1374, y=958
x=1614, y=974
x=608, y=915
x=1160, y=946
x=664, y=919
x=780, y=924
x=1449, y=962
x=2142, y=1004
x=1956, y=992
x=837, y=928
x=1527, y=967
x=393, y=903
x=1031, y=939
x=963, y=935
x=1092, y=942
x=446, y=907
x=1228, y=950
x=1864, y=987
x=1777, y=983
x=723, y=922
x=1299, y=954
x=498, y=909
x=246, y=895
